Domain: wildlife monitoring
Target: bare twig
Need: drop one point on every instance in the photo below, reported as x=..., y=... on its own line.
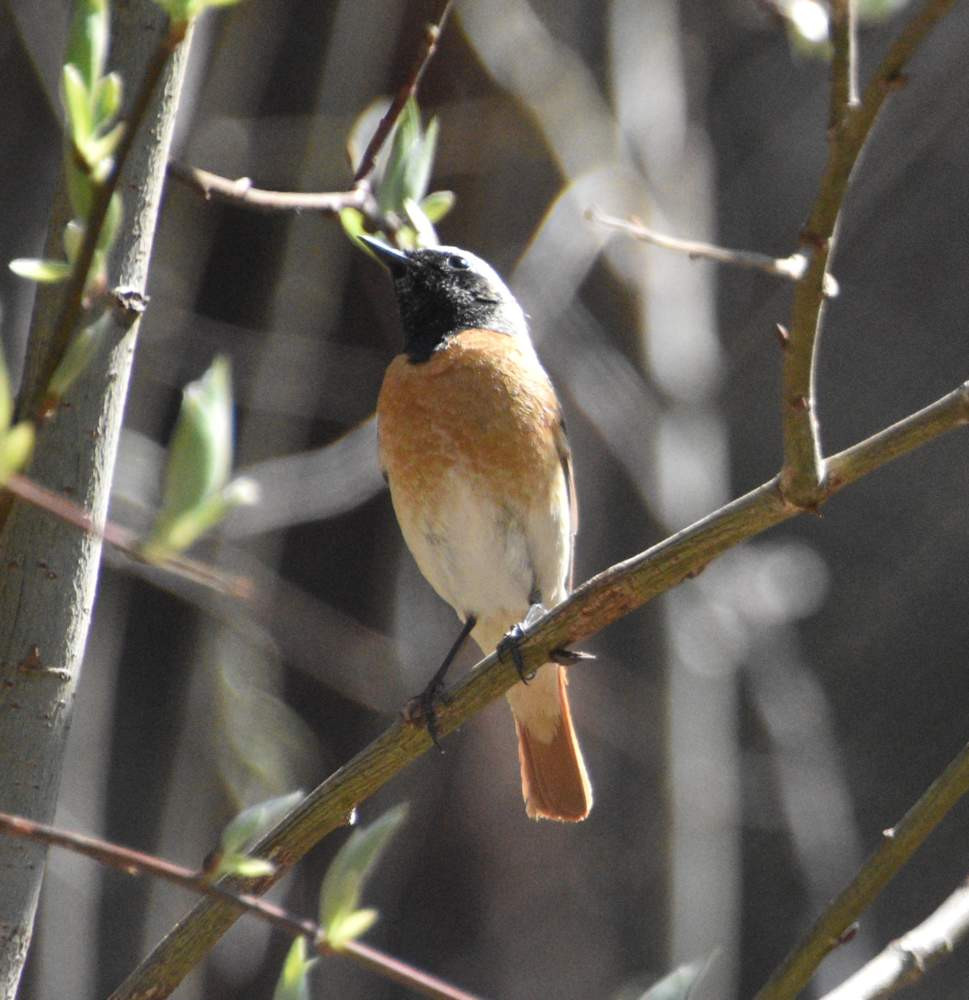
x=844, y=64
x=803, y=471
x=897, y=846
x=432, y=32
x=136, y=863
x=124, y=540
x=599, y=602
x=791, y=268
x=241, y=192
x=906, y=960
x=34, y=397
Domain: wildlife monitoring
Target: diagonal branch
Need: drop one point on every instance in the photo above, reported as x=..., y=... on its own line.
x=599, y=602
x=432, y=32
x=906, y=960
x=133, y=862
x=897, y=846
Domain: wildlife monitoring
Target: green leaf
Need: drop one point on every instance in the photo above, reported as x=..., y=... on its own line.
x=684, y=982
x=99, y=149
x=242, y=866
x=78, y=188
x=77, y=104
x=175, y=533
x=292, y=983
x=343, y=884
x=87, y=44
x=422, y=161
x=44, y=271
x=879, y=10
x=15, y=448
x=80, y=351
x=72, y=238
x=437, y=204
x=423, y=230
x=6, y=396
x=352, y=221
x=200, y=452
x=112, y=223
x=107, y=99
x=250, y=824
x=348, y=928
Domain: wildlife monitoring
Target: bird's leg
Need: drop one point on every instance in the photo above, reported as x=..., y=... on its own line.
x=422, y=707
x=509, y=645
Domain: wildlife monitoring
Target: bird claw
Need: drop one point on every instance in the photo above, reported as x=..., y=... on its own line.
x=422, y=710
x=566, y=657
x=509, y=647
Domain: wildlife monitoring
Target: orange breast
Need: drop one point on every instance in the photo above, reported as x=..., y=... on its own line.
x=481, y=403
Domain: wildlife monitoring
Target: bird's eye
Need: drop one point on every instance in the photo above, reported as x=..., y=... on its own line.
x=458, y=263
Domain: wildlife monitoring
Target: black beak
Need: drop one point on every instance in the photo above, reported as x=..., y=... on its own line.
x=396, y=261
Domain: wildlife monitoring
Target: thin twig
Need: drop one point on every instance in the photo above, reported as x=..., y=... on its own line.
x=599, y=602
x=844, y=64
x=34, y=398
x=802, y=475
x=906, y=960
x=124, y=540
x=136, y=863
x=897, y=846
x=792, y=268
x=241, y=192
x=432, y=32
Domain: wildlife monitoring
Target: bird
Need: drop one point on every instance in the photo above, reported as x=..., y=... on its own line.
x=472, y=444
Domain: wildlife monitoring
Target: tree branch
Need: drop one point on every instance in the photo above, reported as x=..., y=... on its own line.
x=34, y=400
x=599, y=602
x=803, y=471
x=897, y=846
x=791, y=268
x=906, y=960
x=432, y=32
x=136, y=863
x=241, y=192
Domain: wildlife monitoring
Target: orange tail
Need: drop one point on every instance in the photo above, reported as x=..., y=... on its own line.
x=554, y=780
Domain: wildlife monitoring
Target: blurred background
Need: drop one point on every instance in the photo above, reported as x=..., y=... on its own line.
x=751, y=734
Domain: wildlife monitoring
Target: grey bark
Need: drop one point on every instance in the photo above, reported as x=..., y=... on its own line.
x=50, y=570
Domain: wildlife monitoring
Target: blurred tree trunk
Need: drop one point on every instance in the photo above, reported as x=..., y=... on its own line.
x=48, y=587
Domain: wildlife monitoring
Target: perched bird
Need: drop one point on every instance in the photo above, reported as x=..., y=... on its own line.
x=473, y=447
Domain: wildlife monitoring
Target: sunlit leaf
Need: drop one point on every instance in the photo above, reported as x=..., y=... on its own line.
x=422, y=160
x=293, y=982
x=343, y=884
x=242, y=866
x=73, y=237
x=88, y=40
x=97, y=150
x=437, y=204
x=250, y=824
x=690, y=981
x=107, y=98
x=80, y=351
x=112, y=223
x=200, y=452
x=424, y=231
x=77, y=104
x=350, y=927
x=16, y=445
x=6, y=396
x=45, y=271
x=879, y=10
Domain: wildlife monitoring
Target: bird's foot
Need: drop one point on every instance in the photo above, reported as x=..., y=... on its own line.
x=566, y=657
x=422, y=709
x=509, y=646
